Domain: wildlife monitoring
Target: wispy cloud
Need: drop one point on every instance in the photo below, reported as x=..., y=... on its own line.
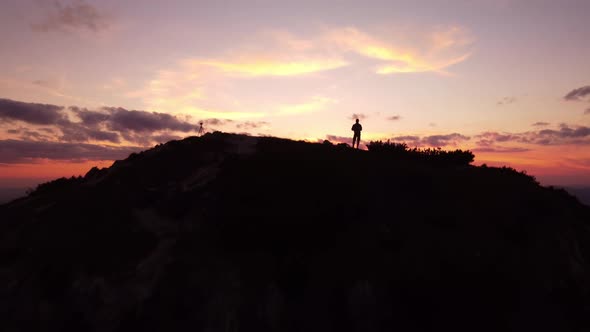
x=273, y=67
x=394, y=118
x=438, y=49
x=199, y=85
x=186, y=89
x=274, y=53
x=506, y=101
x=76, y=15
x=249, y=125
x=285, y=54
x=540, y=124
x=316, y=104
x=360, y=116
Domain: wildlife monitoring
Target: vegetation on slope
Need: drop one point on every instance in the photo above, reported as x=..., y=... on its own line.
x=228, y=232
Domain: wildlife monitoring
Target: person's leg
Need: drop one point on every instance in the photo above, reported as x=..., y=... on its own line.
x=356, y=139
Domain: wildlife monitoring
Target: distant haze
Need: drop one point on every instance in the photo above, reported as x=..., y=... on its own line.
x=8, y=194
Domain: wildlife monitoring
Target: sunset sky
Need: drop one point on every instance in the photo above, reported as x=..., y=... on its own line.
x=83, y=83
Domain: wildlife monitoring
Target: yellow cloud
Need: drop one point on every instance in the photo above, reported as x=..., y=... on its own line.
x=432, y=52
x=421, y=66
x=316, y=104
x=270, y=67
x=195, y=85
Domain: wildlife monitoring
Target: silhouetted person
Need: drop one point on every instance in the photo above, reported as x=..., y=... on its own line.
x=357, y=128
x=201, y=128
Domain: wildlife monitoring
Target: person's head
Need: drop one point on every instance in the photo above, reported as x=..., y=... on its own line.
x=357, y=120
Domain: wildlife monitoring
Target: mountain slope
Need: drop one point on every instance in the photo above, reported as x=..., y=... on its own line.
x=236, y=233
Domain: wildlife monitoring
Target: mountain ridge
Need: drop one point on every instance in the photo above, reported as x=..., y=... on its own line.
x=229, y=232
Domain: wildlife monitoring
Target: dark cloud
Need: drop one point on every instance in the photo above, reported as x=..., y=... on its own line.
x=33, y=113
x=565, y=132
x=77, y=15
x=444, y=140
x=143, y=139
x=89, y=118
x=540, y=124
x=577, y=135
x=578, y=94
x=123, y=120
x=19, y=151
x=495, y=137
x=337, y=139
x=432, y=140
x=248, y=125
x=494, y=141
x=74, y=132
x=488, y=142
x=407, y=138
x=211, y=124
x=412, y=141
x=216, y=122
x=109, y=124
x=500, y=149
x=506, y=101
x=28, y=134
x=359, y=116
x=394, y=118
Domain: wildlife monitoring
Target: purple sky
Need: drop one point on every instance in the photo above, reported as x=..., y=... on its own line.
x=507, y=79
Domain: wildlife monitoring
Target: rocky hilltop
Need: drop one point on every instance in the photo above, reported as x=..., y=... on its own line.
x=236, y=233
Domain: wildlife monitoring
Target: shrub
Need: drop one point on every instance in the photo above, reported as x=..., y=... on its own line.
x=55, y=185
x=431, y=155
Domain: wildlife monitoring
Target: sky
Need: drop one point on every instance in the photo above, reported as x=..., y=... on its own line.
x=83, y=83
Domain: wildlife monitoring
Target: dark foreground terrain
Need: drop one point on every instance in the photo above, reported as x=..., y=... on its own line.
x=236, y=233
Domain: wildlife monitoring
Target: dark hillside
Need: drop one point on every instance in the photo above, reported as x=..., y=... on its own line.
x=236, y=233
